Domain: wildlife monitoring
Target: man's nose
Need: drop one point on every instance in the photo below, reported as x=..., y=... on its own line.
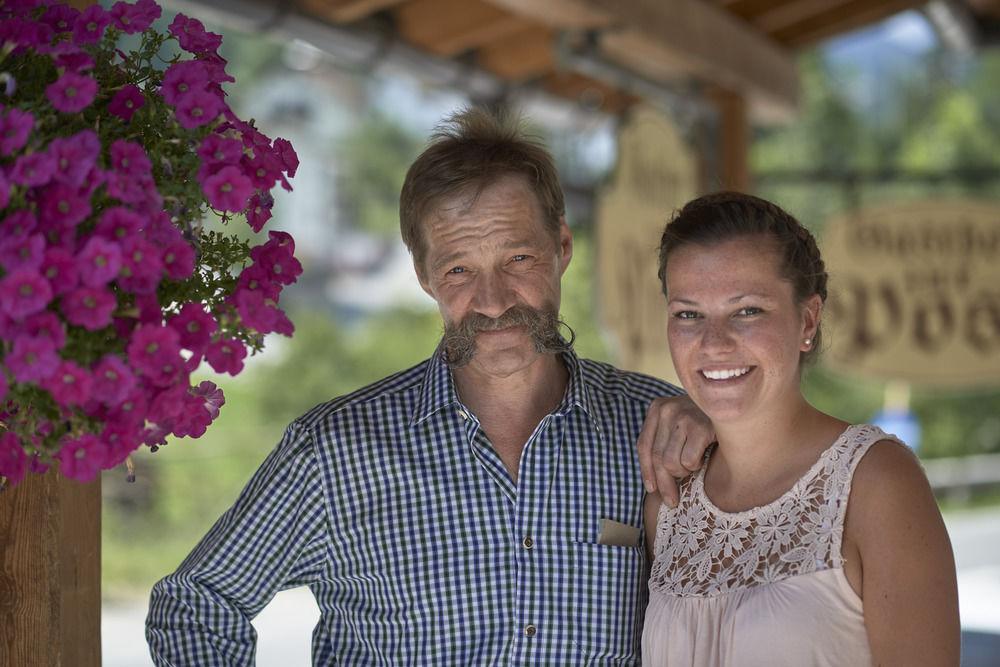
x=494, y=297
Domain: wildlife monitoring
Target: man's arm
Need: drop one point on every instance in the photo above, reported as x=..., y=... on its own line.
x=275, y=537
x=672, y=444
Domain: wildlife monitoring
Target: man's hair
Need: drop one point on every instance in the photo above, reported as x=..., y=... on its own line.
x=468, y=152
x=722, y=216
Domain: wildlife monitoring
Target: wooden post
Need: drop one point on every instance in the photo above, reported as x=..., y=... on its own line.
x=734, y=139
x=50, y=572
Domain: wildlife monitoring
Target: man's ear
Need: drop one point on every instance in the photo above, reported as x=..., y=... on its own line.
x=422, y=277
x=565, y=245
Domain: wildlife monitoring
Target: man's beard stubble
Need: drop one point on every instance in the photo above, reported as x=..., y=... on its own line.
x=542, y=326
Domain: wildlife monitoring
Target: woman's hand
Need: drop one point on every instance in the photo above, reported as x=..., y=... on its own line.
x=672, y=444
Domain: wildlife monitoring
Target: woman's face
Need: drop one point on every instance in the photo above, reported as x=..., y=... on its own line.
x=735, y=329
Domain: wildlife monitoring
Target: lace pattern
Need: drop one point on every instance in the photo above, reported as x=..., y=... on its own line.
x=701, y=551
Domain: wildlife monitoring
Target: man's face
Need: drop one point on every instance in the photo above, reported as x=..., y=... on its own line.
x=494, y=270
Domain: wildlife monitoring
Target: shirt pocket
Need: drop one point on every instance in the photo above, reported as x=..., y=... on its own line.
x=608, y=594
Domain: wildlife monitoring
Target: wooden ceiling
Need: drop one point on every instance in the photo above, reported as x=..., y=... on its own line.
x=742, y=46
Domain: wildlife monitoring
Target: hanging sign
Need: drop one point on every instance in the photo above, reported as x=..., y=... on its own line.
x=915, y=293
x=656, y=173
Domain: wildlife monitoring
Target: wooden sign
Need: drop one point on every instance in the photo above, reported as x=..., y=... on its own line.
x=915, y=293
x=656, y=174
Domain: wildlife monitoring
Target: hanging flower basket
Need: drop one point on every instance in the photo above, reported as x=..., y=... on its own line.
x=111, y=289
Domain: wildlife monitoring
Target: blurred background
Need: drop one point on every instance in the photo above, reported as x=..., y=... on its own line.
x=847, y=115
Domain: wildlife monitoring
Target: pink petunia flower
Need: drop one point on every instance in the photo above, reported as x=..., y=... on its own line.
x=24, y=292
x=263, y=168
x=121, y=440
x=113, y=380
x=254, y=278
x=287, y=155
x=192, y=36
x=75, y=157
x=197, y=108
x=195, y=327
x=13, y=460
x=89, y=307
x=228, y=189
x=182, y=78
x=155, y=353
x=31, y=359
x=89, y=27
x=69, y=385
x=161, y=231
x=118, y=223
x=131, y=411
x=126, y=102
x=59, y=269
x=75, y=61
x=62, y=206
x=226, y=355
x=15, y=127
x=61, y=18
x=277, y=259
x=219, y=150
x=259, y=210
x=22, y=33
x=260, y=313
x=4, y=191
x=22, y=252
x=215, y=65
x=129, y=157
x=178, y=260
x=34, y=169
x=46, y=326
x=82, y=458
x=142, y=266
x=72, y=93
x=134, y=18
x=99, y=261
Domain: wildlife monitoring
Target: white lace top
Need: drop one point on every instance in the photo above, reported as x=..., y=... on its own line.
x=761, y=587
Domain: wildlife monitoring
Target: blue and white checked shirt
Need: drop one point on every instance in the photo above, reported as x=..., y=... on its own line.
x=392, y=506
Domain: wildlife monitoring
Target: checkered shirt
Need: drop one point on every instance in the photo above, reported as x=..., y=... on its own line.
x=392, y=506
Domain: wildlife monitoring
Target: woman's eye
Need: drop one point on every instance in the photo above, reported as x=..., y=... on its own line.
x=749, y=310
x=686, y=315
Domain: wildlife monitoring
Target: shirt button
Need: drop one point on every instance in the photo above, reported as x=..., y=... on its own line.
x=527, y=542
x=529, y=631
x=464, y=414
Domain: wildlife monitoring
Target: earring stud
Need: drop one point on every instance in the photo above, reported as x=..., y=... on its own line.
x=808, y=341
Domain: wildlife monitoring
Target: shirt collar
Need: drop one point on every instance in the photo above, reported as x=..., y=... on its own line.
x=437, y=390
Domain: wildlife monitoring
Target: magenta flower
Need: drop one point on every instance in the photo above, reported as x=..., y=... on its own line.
x=113, y=380
x=255, y=279
x=197, y=108
x=15, y=126
x=132, y=19
x=216, y=149
x=82, y=458
x=99, y=261
x=195, y=327
x=263, y=169
x=59, y=269
x=72, y=93
x=31, y=359
x=192, y=37
x=22, y=252
x=228, y=189
x=126, y=102
x=90, y=25
x=259, y=210
x=131, y=411
x=69, y=385
x=182, y=78
x=215, y=65
x=24, y=292
x=155, y=353
x=28, y=34
x=142, y=266
x=62, y=206
x=178, y=260
x=212, y=395
x=46, y=326
x=4, y=191
x=75, y=157
x=89, y=307
x=75, y=61
x=287, y=155
x=121, y=440
x=226, y=355
x=118, y=223
x=13, y=460
x=129, y=157
x=61, y=18
x=33, y=169
x=276, y=258
x=259, y=313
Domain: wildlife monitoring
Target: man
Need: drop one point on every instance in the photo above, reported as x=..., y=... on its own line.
x=483, y=507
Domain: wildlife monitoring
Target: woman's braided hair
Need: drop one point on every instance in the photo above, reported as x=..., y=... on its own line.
x=721, y=216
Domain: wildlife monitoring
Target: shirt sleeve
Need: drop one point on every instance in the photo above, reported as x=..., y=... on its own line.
x=274, y=537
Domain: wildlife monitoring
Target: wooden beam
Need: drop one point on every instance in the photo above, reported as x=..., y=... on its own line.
x=588, y=92
x=345, y=11
x=734, y=139
x=50, y=572
x=771, y=18
x=986, y=7
x=560, y=14
x=840, y=19
x=523, y=55
x=449, y=27
x=705, y=41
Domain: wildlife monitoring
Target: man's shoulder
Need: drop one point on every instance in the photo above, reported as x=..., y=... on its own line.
x=394, y=392
x=611, y=381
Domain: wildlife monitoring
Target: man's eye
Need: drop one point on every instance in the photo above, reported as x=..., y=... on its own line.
x=518, y=258
x=456, y=270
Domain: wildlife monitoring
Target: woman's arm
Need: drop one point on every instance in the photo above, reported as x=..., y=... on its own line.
x=907, y=567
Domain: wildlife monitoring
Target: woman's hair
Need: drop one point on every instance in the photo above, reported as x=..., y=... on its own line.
x=722, y=216
x=470, y=151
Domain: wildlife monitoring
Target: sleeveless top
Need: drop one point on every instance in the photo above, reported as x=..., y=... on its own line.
x=765, y=586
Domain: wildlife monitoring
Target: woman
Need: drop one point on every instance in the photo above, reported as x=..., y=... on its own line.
x=764, y=561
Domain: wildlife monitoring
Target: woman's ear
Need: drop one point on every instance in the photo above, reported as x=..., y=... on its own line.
x=812, y=313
